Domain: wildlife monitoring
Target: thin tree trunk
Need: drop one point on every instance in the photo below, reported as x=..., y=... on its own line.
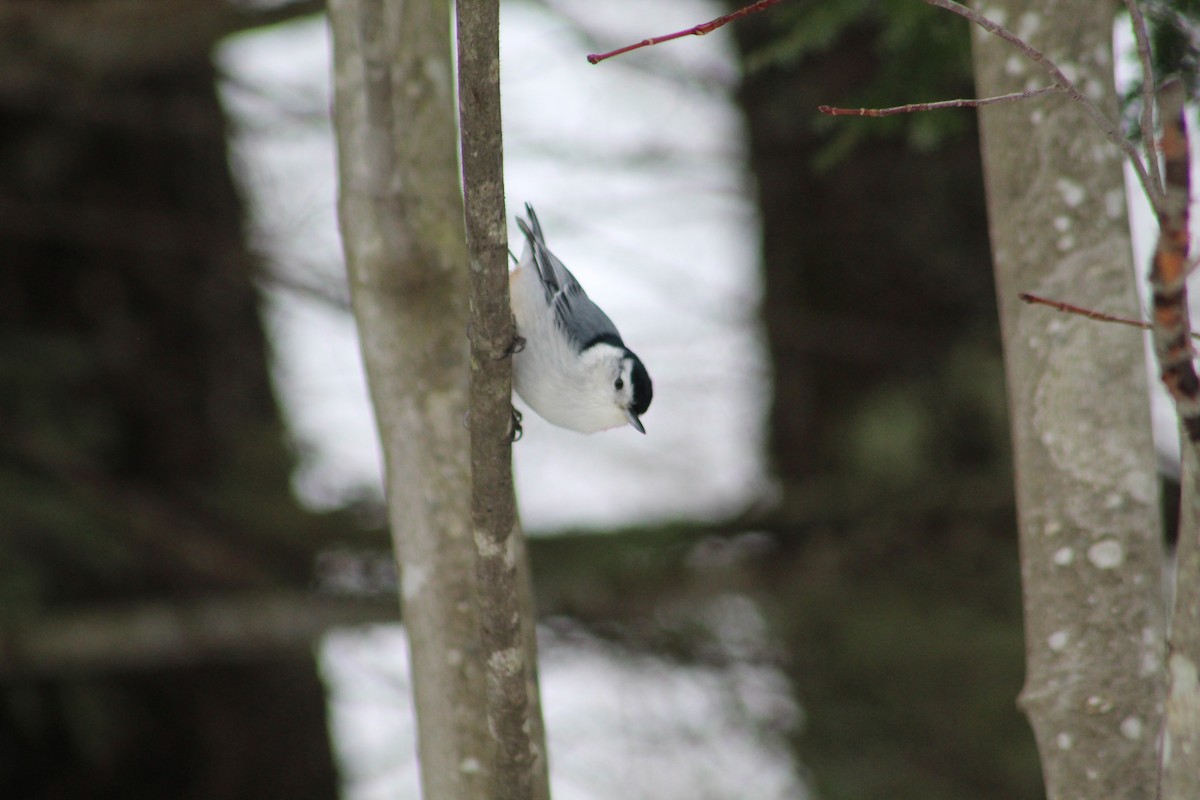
x=1180, y=754
x=402, y=230
x=1091, y=544
x=518, y=764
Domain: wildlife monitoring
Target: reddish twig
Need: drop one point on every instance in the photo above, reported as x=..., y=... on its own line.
x=1060, y=80
x=972, y=103
x=1169, y=269
x=1067, y=308
x=698, y=30
x=1099, y=316
x=1061, y=83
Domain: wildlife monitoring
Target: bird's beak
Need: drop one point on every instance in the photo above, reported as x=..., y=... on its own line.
x=634, y=421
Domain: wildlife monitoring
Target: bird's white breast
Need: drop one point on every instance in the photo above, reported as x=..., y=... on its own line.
x=565, y=387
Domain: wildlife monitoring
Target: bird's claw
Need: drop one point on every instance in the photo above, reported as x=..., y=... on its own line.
x=515, y=430
x=514, y=347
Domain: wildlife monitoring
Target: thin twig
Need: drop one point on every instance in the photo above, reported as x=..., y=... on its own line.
x=1138, y=21
x=1068, y=308
x=1061, y=80
x=1098, y=316
x=697, y=30
x=972, y=103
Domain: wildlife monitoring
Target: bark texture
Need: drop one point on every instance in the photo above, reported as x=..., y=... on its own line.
x=1085, y=475
x=401, y=218
x=518, y=766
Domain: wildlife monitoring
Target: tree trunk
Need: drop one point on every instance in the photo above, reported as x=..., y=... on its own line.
x=1091, y=539
x=876, y=275
x=899, y=576
x=518, y=769
x=402, y=230
x=143, y=456
x=1175, y=352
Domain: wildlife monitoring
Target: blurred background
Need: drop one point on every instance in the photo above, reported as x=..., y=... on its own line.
x=803, y=582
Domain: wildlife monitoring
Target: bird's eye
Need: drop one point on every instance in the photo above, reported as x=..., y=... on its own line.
x=618, y=384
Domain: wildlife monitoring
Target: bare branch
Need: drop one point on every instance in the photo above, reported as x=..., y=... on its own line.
x=941, y=104
x=149, y=635
x=1098, y=316
x=696, y=30
x=1067, y=308
x=1138, y=21
x=98, y=37
x=1033, y=54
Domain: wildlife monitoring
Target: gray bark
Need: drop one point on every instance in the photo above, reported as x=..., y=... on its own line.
x=401, y=218
x=518, y=765
x=1089, y=526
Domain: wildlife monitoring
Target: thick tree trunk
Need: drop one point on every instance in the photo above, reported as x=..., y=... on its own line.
x=401, y=217
x=1091, y=539
x=887, y=424
x=143, y=456
x=876, y=275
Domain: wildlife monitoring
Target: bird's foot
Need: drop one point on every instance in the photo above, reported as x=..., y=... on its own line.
x=515, y=346
x=515, y=431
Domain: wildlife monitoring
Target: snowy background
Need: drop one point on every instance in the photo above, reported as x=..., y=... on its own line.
x=636, y=174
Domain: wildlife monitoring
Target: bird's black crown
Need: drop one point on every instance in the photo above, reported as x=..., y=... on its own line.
x=643, y=390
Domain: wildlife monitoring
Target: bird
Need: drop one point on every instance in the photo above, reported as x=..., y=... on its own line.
x=571, y=365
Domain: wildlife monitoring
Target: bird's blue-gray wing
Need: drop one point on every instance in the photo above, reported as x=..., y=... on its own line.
x=580, y=319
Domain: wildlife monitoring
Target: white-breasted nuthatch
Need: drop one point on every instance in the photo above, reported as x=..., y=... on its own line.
x=574, y=369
